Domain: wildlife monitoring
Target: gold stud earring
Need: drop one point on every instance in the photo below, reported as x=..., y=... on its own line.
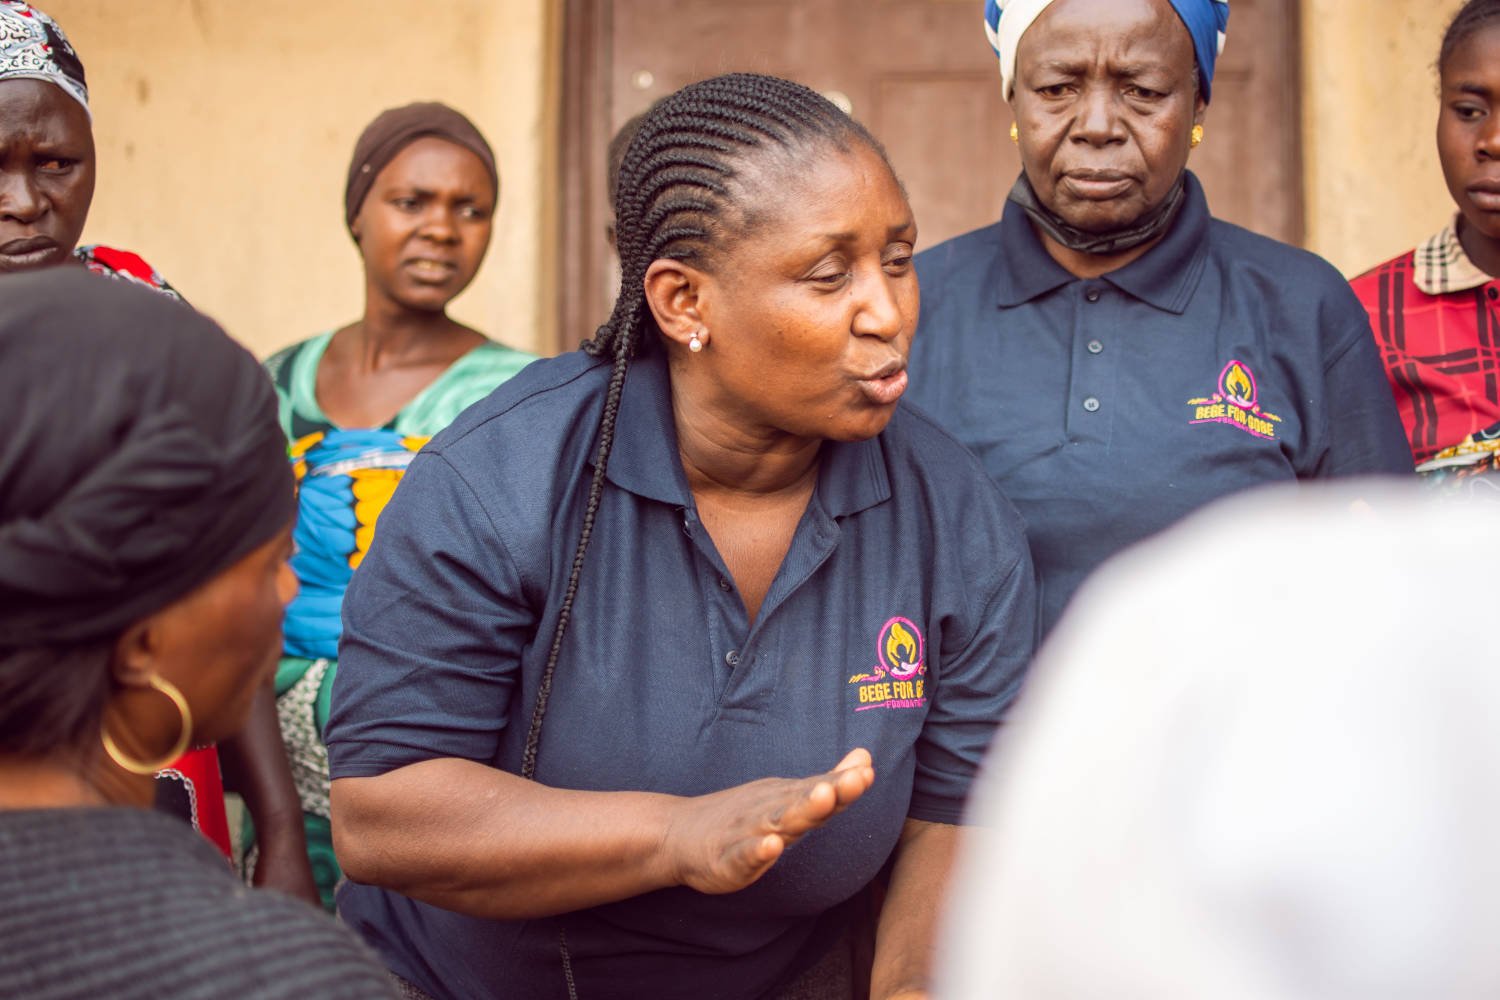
x=1196, y=136
x=1015, y=133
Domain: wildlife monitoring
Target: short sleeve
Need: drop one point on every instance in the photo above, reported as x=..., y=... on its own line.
x=1365, y=435
x=435, y=621
x=977, y=679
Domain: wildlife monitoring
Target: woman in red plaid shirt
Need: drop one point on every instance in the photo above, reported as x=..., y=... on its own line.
x=1434, y=308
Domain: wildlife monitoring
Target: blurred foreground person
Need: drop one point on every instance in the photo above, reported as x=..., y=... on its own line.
x=1258, y=759
x=46, y=188
x=143, y=573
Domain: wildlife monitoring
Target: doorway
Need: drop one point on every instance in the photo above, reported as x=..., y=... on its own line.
x=921, y=77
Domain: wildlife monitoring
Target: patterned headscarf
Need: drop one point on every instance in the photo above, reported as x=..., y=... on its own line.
x=33, y=47
x=1005, y=21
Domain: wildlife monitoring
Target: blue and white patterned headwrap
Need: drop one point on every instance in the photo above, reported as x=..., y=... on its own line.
x=1005, y=21
x=33, y=47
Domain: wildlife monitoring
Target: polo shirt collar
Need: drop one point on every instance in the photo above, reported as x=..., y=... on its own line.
x=1443, y=266
x=1164, y=277
x=645, y=460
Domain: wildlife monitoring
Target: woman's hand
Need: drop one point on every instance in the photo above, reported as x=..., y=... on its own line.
x=724, y=841
x=255, y=764
x=477, y=840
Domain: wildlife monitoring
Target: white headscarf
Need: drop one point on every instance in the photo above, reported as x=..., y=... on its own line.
x=1005, y=21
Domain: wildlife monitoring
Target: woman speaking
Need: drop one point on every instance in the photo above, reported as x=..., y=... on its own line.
x=667, y=645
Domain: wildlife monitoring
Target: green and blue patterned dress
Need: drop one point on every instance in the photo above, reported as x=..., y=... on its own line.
x=345, y=477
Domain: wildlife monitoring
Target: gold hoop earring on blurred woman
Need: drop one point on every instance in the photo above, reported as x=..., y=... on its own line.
x=134, y=766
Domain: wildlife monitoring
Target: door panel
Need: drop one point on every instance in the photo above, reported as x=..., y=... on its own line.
x=922, y=78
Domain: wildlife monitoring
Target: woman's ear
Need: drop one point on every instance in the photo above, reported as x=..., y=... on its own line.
x=675, y=295
x=134, y=660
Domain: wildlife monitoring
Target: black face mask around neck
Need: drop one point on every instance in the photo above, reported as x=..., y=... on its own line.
x=1143, y=230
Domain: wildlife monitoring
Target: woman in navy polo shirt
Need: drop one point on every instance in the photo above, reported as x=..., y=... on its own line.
x=1114, y=355
x=707, y=549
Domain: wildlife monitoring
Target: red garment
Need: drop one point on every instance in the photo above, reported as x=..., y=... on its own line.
x=1441, y=352
x=193, y=789
x=124, y=266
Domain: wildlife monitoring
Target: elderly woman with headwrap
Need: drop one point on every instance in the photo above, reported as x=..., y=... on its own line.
x=143, y=572
x=46, y=186
x=1115, y=355
x=47, y=153
x=358, y=402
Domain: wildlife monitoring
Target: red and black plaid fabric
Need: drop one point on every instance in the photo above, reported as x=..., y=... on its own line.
x=1441, y=349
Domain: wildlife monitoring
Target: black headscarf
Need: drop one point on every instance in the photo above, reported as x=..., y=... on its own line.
x=140, y=455
x=395, y=129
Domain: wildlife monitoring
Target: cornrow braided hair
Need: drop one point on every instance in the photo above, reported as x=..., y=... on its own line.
x=1470, y=18
x=673, y=202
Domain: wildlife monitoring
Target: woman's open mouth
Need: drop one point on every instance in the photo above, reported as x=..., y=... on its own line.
x=431, y=269
x=885, y=386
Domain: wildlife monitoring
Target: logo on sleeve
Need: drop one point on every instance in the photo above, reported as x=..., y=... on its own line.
x=896, y=679
x=1235, y=404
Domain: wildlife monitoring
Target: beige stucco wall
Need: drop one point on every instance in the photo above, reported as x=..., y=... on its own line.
x=1371, y=177
x=224, y=130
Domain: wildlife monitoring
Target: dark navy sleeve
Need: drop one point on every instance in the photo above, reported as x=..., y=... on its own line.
x=1365, y=434
x=984, y=661
x=434, y=625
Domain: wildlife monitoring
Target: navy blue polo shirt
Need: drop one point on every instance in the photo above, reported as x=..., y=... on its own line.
x=1108, y=408
x=901, y=620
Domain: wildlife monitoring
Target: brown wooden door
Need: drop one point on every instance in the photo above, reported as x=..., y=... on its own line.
x=920, y=75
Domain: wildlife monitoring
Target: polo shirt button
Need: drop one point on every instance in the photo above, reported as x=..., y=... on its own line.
x=732, y=657
x=1091, y=404
x=1492, y=292
x=1096, y=347
x=1093, y=295
x=724, y=585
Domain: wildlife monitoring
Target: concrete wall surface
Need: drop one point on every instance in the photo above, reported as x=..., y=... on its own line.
x=1371, y=179
x=224, y=132
x=225, y=128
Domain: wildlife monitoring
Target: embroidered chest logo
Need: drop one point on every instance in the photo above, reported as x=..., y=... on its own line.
x=896, y=679
x=1236, y=404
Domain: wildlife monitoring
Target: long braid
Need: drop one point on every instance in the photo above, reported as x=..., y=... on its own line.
x=674, y=187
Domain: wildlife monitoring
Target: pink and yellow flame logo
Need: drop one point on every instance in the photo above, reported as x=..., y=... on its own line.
x=901, y=648
x=1237, y=384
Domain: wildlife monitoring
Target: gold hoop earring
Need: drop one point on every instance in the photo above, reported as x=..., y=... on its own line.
x=1195, y=137
x=151, y=767
x=1015, y=133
